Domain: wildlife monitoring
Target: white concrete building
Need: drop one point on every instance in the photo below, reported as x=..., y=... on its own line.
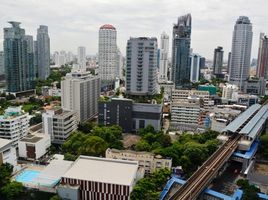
x=7, y=152
x=99, y=178
x=184, y=94
x=34, y=146
x=80, y=92
x=14, y=124
x=107, y=54
x=147, y=160
x=229, y=90
x=187, y=114
x=81, y=57
x=59, y=124
x=141, y=66
x=241, y=51
x=163, y=63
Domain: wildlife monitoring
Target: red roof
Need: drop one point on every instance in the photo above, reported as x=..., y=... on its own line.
x=107, y=26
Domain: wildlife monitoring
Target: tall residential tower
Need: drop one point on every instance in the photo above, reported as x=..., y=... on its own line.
x=19, y=59
x=81, y=57
x=262, y=67
x=181, y=52
x=217, y=61
x=107, y=55
x=141, y=66
x=241, y=51
x=43, y=52
x=163, y=65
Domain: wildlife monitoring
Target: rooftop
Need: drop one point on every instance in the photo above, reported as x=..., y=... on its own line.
x=31, y=138
x=235, y=124
x=4, y=142
x=12, y=112
x=108, y=26
x=103, y=170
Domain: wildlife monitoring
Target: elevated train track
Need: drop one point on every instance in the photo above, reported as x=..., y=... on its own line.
x=205, y=174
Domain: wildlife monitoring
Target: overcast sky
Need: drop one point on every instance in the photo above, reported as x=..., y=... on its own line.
x=74, y=23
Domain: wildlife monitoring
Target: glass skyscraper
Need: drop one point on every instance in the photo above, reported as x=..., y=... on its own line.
x=19, y=59
x=181, y=64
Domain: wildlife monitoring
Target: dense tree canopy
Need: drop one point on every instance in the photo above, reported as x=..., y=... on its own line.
x=9, y=190
x=149, y=188
x=264, y=146
x=250, y=191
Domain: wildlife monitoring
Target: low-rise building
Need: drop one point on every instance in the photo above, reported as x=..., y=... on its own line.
x=187, y=114
x=7, y=152
x=149, y=161
x=34, y=146
x=129, y=115
x=93, y=178
x=228, y=90
x=59, y=124
x=14, y=124
x=184, y=94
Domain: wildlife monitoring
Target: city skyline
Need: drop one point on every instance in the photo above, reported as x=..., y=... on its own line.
x=77, y=24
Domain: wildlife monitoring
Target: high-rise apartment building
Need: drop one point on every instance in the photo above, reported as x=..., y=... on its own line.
x=141, y=66
x=195, y=67
x=19, y=59
x=218, y=61
x=107, y=54
x=2, y=63
x=163, y=63
x=229, y=62
x=181, y=52
x=241, y=51
x=80, y=92
x=262, y=67
x=81, y=57
x=43, y=52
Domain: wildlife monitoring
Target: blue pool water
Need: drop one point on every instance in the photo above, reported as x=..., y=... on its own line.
x=27, y=176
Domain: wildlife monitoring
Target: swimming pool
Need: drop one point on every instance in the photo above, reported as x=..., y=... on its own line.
x=27, y=176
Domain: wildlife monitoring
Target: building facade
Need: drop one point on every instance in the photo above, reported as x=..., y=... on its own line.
x=129, y=115
x=241, y=51
x=43, y=52
x=34, y=146
x=92, y=178
x=59, y=124
x=195, y=67
x=107, y=54
x=163, y=63
x=187, y=114
x=141, y=66
x=80, y=92
x=181, y=43
x=7, y=152
x=202, y=95
x=2, y=63
x=19, y=59
x=149, y=161
x=262, y=66
x=14, y=124
x=218, y=61
x=81, y=57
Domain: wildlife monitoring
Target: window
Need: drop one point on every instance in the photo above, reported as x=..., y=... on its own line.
x=141, y=123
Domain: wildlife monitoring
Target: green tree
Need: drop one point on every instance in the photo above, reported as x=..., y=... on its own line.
x=12, y=190
x=142, y=145
x=85, y=127
x=93, y=146
x=264, y=146
x=36, y=119
x=150, y=186
x=250, y=191
x=5, y=174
